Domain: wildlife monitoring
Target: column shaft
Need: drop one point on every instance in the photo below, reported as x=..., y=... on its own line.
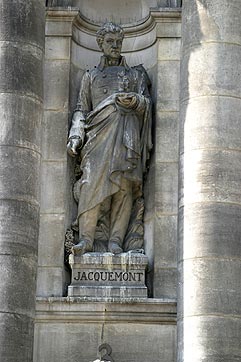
x=209, y=314
x=21, y=45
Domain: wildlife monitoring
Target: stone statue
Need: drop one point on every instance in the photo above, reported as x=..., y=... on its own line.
x=111, y=133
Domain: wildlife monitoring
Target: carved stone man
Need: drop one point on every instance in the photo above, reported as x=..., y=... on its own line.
x=111, y=125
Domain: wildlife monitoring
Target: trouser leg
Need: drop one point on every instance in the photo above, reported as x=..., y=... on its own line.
x=121, y=206
x=87, y=224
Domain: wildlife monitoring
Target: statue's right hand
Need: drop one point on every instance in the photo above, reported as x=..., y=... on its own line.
x=73, y=145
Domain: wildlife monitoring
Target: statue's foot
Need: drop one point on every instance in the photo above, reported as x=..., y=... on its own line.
x=114, y=248
x=84, y=246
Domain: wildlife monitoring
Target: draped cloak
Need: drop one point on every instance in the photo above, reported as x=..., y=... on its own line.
x=117, y=141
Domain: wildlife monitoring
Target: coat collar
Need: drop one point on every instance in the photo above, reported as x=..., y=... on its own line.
x=104, y=63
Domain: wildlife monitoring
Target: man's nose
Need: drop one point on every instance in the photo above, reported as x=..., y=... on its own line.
x=114, y=44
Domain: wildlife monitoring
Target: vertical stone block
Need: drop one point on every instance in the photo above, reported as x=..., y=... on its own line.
x=56, y=85
x=51, y=281
x=54, y=135
x=166, y=167
x=55, y=189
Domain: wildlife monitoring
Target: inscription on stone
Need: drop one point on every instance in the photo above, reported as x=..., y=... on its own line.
x=106, y=275
x=109, y=276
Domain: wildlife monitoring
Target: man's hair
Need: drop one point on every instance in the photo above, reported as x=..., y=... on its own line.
x=108, y=28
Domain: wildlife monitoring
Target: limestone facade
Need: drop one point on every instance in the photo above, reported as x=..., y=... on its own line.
x=152, y=38
x=190, y=310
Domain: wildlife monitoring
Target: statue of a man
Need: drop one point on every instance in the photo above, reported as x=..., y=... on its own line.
x=111, y=126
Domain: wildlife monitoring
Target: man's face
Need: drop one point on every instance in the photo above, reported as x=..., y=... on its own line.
x=111, y=45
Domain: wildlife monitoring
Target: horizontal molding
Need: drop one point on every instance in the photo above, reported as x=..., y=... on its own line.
x=87, y=310
x=136, y=29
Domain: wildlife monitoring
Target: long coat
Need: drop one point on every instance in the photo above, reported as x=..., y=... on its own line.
x=117, y=141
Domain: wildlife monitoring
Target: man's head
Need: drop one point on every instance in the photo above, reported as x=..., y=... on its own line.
x=109, y=39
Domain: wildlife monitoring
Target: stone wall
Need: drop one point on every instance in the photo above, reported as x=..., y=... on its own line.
x=55, y=185
x=69, y=330
x=71, y=48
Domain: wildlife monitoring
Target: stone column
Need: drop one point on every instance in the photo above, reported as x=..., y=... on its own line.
x=21, y=99
x=209, y=319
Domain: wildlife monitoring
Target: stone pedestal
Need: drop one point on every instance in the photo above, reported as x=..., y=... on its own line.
x=106, y=275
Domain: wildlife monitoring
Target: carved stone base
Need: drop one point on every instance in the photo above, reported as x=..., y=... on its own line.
x=107, y=275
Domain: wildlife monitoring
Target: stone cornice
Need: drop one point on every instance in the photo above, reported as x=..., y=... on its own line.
x=141, y=27
x=60, y=14
x=156, y=17
x=75, y=310
x=166, y=14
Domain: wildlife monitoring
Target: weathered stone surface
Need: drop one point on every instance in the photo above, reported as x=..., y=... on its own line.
x=149, y=238
x=167, y=136
x=225, y=126
x=212, y=176
x=56, y=85
x=21, y=92
x=169, y=49
x=60, y=28
x=168, y=85
x=24, y=74
x=53, y=187
x=26, y=116
x=165, y=282
x=209, y=208
x=123, y=13
x=166, y=161
x=169, y=3
x=216, y=20
x=51, y=240
x=27, y=26
x=166, y=237
x=54, y=135
x=51, y=281
x=24, y=165
x=107, y=275
x=15, y=271
x=16, y=337
x=135, y=330
x=17, y=236
x=166, y=187
x=221, y=83
x=165, y=258
x=158, y=346
x=56, y=174
x=57, y=48
x=169, y=29
x=219, y=238
x=220, y=346
x=145, y=56
x=212, y=295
